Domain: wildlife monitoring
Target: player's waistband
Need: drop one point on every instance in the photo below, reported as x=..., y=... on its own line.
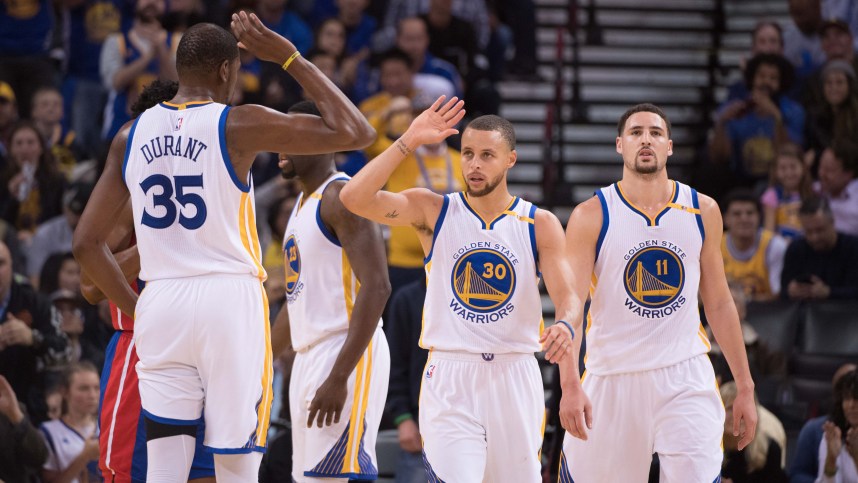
x=480, y=357
x=203, y=276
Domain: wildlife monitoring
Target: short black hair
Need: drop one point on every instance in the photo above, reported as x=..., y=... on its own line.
x=203, y=48
x=155, y=92
x=815, y=204
x=846, y=151
x=742, y=195
x=490, y=122
x=645, y=107
x=394, y=54
x=785, y=70
x=305, y=107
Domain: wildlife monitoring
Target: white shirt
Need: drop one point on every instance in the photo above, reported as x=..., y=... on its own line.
x=846, y=471
x=64, y=445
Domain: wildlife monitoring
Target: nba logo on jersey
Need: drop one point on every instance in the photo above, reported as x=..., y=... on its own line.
x=293, y=268
x=653, y=279
x=179, y=123
x=430, y=370
x=483, y=281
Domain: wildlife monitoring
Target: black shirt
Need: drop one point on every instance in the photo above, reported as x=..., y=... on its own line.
x=407, y=359
x=837, y=267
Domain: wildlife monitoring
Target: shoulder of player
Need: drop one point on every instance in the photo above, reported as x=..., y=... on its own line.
x=332, y=209
x=587, y=215
x=709, y=209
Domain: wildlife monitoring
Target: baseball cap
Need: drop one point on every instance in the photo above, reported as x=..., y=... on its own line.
x=834, y=23
x=76, y=196
x=6, y=92
x=65, y=295
x=428, y=88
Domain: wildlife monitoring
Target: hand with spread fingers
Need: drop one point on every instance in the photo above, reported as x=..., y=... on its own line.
x=436, y=123
x=259, y=40
x=556, y=342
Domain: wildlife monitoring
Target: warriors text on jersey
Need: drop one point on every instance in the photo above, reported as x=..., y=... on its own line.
x=192, y=215
x=644, y=285
x=482, y=290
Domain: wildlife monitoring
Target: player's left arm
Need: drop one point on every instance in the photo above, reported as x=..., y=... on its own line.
x=724, y=320
x=364, y=246
x=554, y=264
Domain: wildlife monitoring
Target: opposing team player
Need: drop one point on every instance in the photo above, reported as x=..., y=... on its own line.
x=122, y=441
x=644, y=246
x=336, y=288
x=202, y=325
x=481, y=403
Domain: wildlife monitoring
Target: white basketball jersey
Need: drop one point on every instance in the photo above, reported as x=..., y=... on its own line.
x=192, y=215
x=64, y=445
x=643, y=312
x=321, y=287
x=482, y=292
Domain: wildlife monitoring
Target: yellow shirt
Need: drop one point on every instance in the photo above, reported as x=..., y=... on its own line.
x=751, y=274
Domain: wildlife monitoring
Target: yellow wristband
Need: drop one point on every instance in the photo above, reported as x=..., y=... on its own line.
x=290, y=59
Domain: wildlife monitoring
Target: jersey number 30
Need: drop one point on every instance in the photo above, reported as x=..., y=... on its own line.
x=165, y=200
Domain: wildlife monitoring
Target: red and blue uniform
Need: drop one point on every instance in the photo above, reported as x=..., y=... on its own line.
x=122, y=442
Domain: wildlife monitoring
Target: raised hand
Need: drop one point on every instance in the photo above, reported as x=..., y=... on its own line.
x=9, y=403
x=833, y=438
x=436, y=123
x=259, y=40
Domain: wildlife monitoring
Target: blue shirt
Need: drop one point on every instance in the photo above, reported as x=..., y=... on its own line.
x=360, y=36
x=805, y=460
x=434, y=65
x=296, y=30
x=25, y=27
x=89, y=24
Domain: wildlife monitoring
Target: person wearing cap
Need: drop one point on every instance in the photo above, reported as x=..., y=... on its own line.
x=55, y=235
x=747, y=131
x=68, y=306
x=436, y=167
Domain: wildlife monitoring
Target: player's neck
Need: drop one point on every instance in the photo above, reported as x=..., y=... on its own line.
x=650, y=192
x=310, y=182
x=492, y=204
x=193, y=93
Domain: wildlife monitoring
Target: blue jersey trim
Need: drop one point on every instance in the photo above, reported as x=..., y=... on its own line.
x=324, y=229
x=170, y=421
x=606, y=220
x=258, y=449
x=48, y=438
x=438, y=223
x=430, y=473
x=531, y=229
x=128, y=147
x=672, y=201
x=224, y=152
x=351, y=476
x=695, y=202
x=503, y=215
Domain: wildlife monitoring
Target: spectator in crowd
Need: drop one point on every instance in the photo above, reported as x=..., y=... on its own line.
x=407, y=361
x=837, y=45
x=821, y=264
x=69, y=305
x=54, y=400
x=804, y=466
x=396, y=78
x=55, y=235
x=844, y=10
x=275, y=16
x=838, y=450
x=474, y=12
x=435, y=167
x=790, y=182
x=26, y=28
x=181, y=14
x=838, y=167
x=22, y=449
x=753, y=256
x=413, y=39
x=73, y=439
x=331, y=41
x=520, y=16
x=31, y=186
x=747, y=131
x=761, y=460
x=766, y=38
x=452, y=39
x=837, y=116
x=131, y=60
x=8, y=118
x=89, y=24
x=30, y=338
x=802, y=45
x=360, y=27
x=47, y=116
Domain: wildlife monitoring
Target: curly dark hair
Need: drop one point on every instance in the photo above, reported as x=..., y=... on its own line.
x=778, y=61
x=845, y=388
x=157, y=91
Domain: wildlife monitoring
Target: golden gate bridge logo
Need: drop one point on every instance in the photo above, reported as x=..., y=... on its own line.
x=293, y=264
x=483, y=280
x=654, y=277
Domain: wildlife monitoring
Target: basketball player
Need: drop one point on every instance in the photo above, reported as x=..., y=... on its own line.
x=482, y=406
x=122, y=441
x=202, y=324
x=645, y=246
x=336, y=288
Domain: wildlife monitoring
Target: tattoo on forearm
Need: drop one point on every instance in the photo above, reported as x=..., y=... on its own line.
x=403, y=148
x=392, y=214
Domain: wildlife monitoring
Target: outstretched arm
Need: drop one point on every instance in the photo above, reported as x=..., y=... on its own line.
x=90, y=238
x=127, y=258
x=364, y=246
x=582, y=234
x=252, y=128
x=724, y=320
x=418, y=207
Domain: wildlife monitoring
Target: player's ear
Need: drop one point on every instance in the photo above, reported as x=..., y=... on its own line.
x=619, y=143
x=223, y=71
x=670, y=147
x=513, y=157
